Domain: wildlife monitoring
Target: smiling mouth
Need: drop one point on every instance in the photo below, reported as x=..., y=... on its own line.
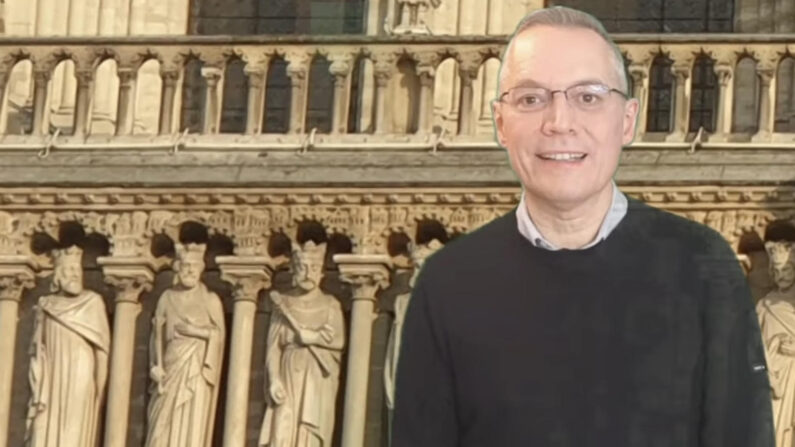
x=570, y=156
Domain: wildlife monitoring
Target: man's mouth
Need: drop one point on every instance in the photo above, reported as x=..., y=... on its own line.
x=563, y=156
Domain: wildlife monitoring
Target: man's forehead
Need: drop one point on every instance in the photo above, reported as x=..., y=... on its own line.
x=565, y=55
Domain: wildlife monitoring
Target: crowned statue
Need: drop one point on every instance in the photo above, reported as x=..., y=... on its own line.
x=69, y=359
x=304, y=347
x=777, y=321
x=186, y=354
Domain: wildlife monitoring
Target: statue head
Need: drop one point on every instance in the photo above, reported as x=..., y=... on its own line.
x=307, y=265
x=68, y=273
x=189, y=264
x=418, y=254
x=782, y=263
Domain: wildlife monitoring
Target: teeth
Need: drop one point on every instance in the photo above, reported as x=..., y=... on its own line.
x=564, y=156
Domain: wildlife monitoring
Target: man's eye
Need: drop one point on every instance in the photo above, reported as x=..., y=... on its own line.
x=528, y=100
x=588, y=99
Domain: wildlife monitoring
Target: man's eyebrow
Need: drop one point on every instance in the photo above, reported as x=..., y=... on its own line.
x=532, y=83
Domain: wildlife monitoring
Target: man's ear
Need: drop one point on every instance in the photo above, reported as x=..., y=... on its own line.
x=631, y=109
x=496, y=113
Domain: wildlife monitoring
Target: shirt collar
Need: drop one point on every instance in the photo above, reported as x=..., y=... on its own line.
x=617, y=211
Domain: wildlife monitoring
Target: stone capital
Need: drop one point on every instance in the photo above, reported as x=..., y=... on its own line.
x=16, y=275
x=212, y=75
x=724, y=74
x=247, y=274
x=367, y=273
x=129, y=275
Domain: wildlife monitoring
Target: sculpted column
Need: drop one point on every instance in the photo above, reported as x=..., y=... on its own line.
x=297, y=68
x=124, y=111
x=468, y=72
x=211, y=75
x=257, y=73
x=170, y=77
x=340, y=68
x=41, y=77
x=426, y=70
x=249, y=271
x=367, y=273
x=723, y=125
x=767, y=100
x=384, y=67
x=681, y=72
x=85, y=81
x=16, y=275
x=130, y=270
x=639, y=73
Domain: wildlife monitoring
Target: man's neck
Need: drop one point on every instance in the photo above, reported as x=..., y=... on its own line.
x=569, y=226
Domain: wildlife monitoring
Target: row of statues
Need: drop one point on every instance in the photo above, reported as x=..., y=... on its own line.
x=776, y=313
x=306, y=337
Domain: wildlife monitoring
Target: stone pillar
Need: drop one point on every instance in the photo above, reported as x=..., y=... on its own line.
x=723, y=124
x=130, y=276
x=383, y=72
x=137, y=20
x=367, y=273
x=426, y=73
x=40, y=80
x=124, y=112
x=467, y=72
x=170, y=78
x=212, y=112
x=248, y=275
x=256, y=91
x=297, y=68
x=45, y=16
x=16, y=275
x=640, y=73
x=4, y=100
x=103, y=92
x=85, y=80
x=339, y=68
x=767, y=101
x=681, y=72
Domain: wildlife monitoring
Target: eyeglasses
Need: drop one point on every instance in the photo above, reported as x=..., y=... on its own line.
x=585, y=97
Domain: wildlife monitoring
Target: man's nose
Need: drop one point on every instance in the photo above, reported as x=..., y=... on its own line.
x=558, y=114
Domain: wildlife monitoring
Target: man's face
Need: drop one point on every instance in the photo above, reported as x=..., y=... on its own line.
x=307, y=273
x=557, y=58
x=71, y=278
x=189, y=272
x=782, y=267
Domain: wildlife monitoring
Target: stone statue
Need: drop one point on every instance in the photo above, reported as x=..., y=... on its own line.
x=777, y=321
x=305, y=341
x=418, y=255
x=69, y=359
x=186, y=354
x=407, y=15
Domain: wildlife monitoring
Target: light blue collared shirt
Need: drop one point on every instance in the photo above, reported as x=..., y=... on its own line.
x=617, y=211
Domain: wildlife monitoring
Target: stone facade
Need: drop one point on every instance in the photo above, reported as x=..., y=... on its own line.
x=126, y=133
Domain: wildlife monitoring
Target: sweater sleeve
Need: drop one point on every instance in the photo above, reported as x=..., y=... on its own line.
x=424, y=413
x=736, y=409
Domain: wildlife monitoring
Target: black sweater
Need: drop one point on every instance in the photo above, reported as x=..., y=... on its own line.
x=647, y=339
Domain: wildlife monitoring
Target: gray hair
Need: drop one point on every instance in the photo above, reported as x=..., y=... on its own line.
x=561, y=16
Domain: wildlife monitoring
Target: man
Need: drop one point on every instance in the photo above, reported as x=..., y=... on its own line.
x=583, y=317
x=777, y=321
x=69, y=359
x=186, y=356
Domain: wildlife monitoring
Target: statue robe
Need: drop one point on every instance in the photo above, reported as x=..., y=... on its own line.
x=777, y=316
x=65, y=401
x=306, y=417
x=393, y=348
x=182, y=407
